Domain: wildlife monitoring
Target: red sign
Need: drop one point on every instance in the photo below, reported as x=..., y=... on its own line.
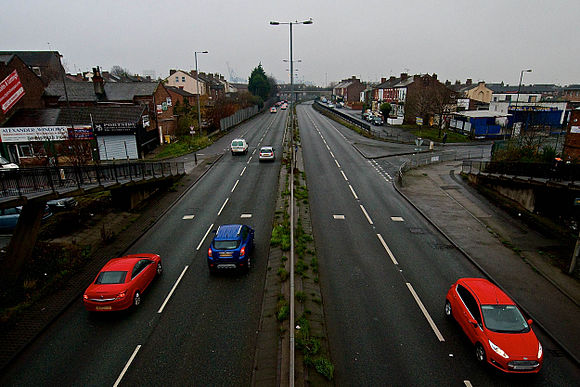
x=11, y=91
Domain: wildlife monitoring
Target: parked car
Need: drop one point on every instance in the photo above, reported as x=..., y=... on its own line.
x=239, y=145
x=377, y=121
x=267, y=154
x=273, y=109
x=121, y=282
x=495, y=325
x=231, y=248
x=9, y=217
x=331, y=105
x=7, y=165
x=62, y=204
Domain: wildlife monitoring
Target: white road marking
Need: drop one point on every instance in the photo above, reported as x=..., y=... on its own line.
x=343, y=175
x=172, y=290
x=353, y=193
x=338, y=216
x=246, y=216
x=332, y=154
x=205, y=236
x=425, y=313
x=366, y=214
x=467, y=383
x=387, y=249
x=397, y=219
x=235, y=185
x=188, y=217
x=243, y=170
x=337, y=164
x=127, y=366
x=223, y=205
x=250, y=159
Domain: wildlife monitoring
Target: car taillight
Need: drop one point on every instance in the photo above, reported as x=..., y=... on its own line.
x=243, y=251
x=209, y=252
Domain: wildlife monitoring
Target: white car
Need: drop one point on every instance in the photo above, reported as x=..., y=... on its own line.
x=267, y=153
x=239, y=145
x=5, y=164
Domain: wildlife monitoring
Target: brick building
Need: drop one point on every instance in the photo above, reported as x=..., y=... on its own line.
x=572, y=142
x=348, y=90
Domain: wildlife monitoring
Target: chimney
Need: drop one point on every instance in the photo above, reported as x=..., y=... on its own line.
x=98, y=82
x=469, y=81
x=434, y=76
x=172, y=71
x=383, y=80
x=458, y=82
x=448, y=83
x=392, y=78
x=404, y=76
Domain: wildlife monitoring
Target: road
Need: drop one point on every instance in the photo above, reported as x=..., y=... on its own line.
x=384, y=273
x=206, y=332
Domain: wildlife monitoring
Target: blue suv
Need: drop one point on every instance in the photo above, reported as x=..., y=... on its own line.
x=231, y=247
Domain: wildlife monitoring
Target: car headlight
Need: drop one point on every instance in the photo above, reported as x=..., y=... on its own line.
x=540, y=350
x=498, y=350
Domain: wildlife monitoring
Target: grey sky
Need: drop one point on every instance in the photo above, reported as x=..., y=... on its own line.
x=490, y=40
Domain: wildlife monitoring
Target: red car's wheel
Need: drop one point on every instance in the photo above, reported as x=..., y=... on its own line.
x=480, y=353
x=159, y=269
x=448, y=312
x=137, y=299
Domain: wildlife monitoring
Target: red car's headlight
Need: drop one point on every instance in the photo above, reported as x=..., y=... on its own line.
x=498, y=350
x=121, y=295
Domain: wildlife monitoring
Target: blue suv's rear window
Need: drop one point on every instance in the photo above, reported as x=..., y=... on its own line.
x=226, y=245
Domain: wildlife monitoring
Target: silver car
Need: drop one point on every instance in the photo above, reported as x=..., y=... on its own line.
x=267, y=153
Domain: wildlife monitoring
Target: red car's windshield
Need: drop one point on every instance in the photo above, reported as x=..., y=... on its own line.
x=111, y=277
x=504, y=319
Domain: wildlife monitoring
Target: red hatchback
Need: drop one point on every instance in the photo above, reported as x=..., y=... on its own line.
x=121, y=282
x=495, y=325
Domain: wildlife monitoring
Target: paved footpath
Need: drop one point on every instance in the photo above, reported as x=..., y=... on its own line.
x=477, y=228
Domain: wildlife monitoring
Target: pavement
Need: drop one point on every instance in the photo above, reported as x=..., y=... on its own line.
x=505, y=249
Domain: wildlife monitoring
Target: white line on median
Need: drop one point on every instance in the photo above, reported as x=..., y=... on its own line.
x=343, y=175
x=243, y=170
x=172, y=290
x=425, y=313
x=353, y=193
x=467, y=383
x=250, y=159
x=366, y=214
x=235, y=185
x=337, y=164
x=221, y=209
x=387, y=249
x=127, y=366
x=205, y=236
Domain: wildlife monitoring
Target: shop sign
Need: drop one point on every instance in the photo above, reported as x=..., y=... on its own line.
x=11, y=91
x=115, y=128
x=34, y=133
x=81, y=132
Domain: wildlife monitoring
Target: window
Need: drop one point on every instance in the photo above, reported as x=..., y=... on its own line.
x=139, y=266
x=25, y=150
x=177, y=79
x=244, y=233
x=111, y=277
x=182, y=79
x=508, y=98
x=470, y=303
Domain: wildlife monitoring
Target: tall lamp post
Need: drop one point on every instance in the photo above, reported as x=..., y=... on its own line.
x=520, y=86
x=197, y=89
x=292, y=332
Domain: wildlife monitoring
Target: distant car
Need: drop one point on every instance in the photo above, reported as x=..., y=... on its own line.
x=62, y=204
x=377, y=121
x=267, y=154
x=121, y=282
x=231, y=248
x=495, y=325
x=284, y=106
x=239, y=145
x=9, y=217
x=273, y=109
x=7, y=165
x=330, y=105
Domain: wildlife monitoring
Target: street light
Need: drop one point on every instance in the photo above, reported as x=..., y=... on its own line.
x=520, y=84
x=197, y=88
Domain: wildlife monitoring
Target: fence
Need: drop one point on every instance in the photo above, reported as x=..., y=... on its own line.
x=237, y=117
x=421, y=159
x=363, y=125
x=550, y=171
x=25, y=181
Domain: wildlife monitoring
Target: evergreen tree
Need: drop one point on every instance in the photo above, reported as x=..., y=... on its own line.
x=258, y=83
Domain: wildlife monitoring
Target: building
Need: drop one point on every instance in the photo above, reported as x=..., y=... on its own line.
x=571, y=93
x=572, y=141
x=185, y=81
x=471, y=96
x=348, y=90
x=45, y=64
x=20, y=87
x=478, y=124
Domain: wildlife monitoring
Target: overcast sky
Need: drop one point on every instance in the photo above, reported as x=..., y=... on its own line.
x=491, y=40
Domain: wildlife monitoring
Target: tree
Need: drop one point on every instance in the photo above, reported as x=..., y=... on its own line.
x=258, y=83
x=385, y=109
x=119, y=71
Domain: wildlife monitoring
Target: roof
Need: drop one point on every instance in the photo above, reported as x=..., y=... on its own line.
x=75, y=115
x=486, y=292
x=6, y=58
x=85, y=91
x=480, y=114
x=34, y=58
x=228, y=231
x=499, y=88
x=179, y=91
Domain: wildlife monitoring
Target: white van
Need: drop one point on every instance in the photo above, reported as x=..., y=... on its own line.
x=239, y=145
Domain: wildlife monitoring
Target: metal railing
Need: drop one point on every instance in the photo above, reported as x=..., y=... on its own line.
x=363, y=125
x=23, y=181
x=550, y=171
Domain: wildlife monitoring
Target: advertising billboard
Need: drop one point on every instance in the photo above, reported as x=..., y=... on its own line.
x=11, y=91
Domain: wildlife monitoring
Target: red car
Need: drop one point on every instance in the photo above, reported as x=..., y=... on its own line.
x=121, y=282
x=495, y=325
